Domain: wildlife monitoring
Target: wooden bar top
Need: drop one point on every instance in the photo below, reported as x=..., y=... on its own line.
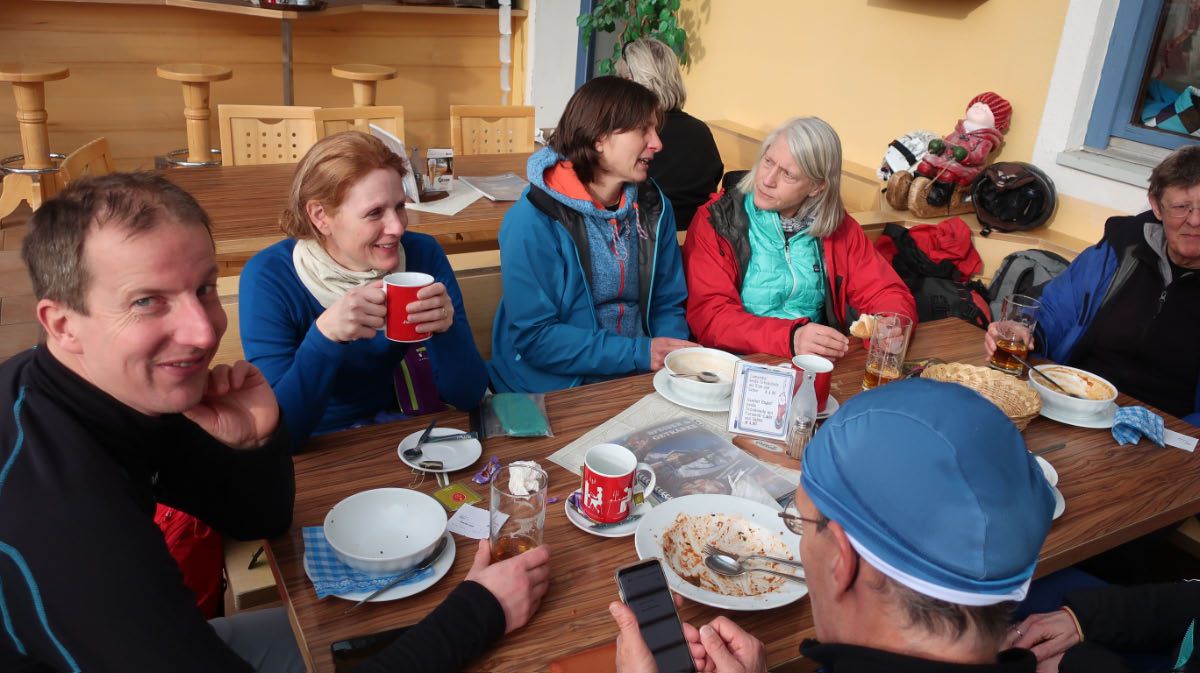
x=244, y=202
x=1113, y=494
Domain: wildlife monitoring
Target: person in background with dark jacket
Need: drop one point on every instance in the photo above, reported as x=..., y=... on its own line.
x=593, y=283
x=1128, y=308
x=1096, y=623
x=688, y=167
x=776, y=265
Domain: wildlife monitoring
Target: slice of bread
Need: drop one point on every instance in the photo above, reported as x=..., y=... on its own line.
x=863, y=327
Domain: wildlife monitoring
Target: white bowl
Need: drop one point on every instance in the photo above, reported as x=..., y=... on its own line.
x=694, y=360
x=384, y=531
x=1100, y=393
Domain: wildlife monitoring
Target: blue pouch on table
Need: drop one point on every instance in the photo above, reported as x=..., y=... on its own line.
x=516, y=415
x=330, y=576
x=1132, y=423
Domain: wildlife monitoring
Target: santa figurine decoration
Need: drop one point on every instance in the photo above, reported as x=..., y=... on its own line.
x=943, y=177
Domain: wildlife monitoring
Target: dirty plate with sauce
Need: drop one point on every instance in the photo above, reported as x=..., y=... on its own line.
x=731, y=520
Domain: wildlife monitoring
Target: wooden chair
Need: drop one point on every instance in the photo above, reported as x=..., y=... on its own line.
x=93, y=158
x=332, y=120
x=265, y=134
x=229, y=350
x=491, y=129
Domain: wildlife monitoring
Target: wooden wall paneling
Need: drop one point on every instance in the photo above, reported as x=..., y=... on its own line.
x=440, y=59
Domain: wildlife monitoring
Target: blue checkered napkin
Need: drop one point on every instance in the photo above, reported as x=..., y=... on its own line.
x=1132, y=423
x=330, y=576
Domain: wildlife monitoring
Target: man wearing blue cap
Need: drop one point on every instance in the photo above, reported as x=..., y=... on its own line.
x=921, y=514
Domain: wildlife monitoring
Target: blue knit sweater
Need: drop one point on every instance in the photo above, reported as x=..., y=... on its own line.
x=323, y=385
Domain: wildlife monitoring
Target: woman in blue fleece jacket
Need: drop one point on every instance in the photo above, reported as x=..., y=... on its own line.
x=312, y=305
x=593, y=278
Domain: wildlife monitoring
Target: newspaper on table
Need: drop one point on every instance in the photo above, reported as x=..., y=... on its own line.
x=460, y=197
x=690, y=452
x=507, y=187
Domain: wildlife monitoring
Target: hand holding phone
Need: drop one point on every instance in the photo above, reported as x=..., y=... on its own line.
x=643, y=588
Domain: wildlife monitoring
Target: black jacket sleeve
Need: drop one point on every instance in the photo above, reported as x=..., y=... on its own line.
x=1142, y=617
x=460, y=629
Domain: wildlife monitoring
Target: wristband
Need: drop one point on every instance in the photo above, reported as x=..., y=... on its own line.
x=1078, y=627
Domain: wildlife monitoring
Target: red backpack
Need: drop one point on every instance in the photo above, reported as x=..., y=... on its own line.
x=200, y=553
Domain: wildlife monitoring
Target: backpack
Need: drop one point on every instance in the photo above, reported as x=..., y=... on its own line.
x=939, y=289
x=1024, y=272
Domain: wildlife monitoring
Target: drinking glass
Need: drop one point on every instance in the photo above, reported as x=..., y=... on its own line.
x=517, y=517
x=1014, y=332
x=889, y=342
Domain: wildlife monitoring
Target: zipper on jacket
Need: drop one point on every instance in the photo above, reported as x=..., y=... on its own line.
x=1162, y=300
x=787, y=256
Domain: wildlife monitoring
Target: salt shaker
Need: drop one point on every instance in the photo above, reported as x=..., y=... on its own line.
x=803, y=416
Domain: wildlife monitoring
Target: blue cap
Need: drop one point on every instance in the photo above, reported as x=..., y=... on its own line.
x=935, y=488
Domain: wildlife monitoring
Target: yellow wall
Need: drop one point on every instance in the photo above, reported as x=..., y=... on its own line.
x=877, y=69
x=874, y=69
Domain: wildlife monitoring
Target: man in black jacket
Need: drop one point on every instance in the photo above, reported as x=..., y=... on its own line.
x=119, y=410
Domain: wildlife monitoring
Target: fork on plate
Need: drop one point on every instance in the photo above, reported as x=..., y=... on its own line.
x=710, y=549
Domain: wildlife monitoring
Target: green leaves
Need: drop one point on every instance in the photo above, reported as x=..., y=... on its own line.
x=637, y=18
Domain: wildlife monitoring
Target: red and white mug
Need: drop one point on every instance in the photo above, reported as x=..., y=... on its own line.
x=402, y=288
x=609, y=477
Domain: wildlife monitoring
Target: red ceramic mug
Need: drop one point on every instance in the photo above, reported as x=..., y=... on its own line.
x=609, y=472
x=819, y=366
x=401, y=289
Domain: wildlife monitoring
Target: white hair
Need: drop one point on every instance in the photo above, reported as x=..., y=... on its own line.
x=818, y=152
x=652, y=64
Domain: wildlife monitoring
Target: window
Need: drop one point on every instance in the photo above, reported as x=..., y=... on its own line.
x=1148, y=91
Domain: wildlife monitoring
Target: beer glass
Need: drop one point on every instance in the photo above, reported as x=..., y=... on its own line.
x=1014, y=332
x=518, y=510
x=889, y=342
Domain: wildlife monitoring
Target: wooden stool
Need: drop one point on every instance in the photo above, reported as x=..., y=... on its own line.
x=364, y=78
x=36, y=179
x=196, y=78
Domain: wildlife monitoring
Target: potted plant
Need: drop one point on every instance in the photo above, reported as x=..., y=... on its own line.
x=637, y=18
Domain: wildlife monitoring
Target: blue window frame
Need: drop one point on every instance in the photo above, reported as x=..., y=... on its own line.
x=1122, y=78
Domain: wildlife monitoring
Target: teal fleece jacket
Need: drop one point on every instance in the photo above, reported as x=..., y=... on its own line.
x=546, y=335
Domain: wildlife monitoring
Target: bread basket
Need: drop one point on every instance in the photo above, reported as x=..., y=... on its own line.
x=1014, y=397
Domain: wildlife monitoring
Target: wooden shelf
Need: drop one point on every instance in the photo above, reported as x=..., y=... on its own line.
x=333, y=8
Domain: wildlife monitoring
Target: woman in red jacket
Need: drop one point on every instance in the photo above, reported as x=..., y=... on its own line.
x=775, y=265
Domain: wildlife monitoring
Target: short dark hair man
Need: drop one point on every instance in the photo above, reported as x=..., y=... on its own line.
x=921, y=515
x=1128, y=308
x=119, y=410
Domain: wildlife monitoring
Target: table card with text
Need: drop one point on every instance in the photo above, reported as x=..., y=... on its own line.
x=762, y=396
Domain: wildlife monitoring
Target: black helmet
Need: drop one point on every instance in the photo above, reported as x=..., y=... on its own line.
x=1013, y=196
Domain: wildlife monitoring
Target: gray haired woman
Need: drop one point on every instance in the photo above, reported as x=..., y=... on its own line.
x=688, y=167
x=776, y=265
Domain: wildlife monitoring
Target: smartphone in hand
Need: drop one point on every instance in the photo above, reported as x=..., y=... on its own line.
x=644, y=589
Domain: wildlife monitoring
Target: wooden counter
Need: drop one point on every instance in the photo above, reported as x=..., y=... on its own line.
x=443, y=56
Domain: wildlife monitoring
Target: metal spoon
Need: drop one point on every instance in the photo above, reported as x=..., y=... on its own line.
x=715, y=550
x=703, y=377
x=1054, y=383
x=730, y=567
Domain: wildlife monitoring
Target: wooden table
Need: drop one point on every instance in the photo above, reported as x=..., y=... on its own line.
x=244, y=203
x=1113, y=494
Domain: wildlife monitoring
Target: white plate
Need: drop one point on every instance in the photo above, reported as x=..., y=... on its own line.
x=440, y=568
x=831, y=407
x=1048, y=471
x=624, y=529
x=662, y=384
x=648, y=542
x=456, y=455
x=1100, y=421
x=1060, y=504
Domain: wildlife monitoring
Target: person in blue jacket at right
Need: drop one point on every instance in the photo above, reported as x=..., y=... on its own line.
x=593, y=277
x=1128, y=308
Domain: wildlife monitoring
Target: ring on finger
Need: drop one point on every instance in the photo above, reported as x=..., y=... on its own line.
x=445, y=312
x=1020, y=634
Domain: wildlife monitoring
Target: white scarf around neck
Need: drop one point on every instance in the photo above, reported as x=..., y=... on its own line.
x=327, y=280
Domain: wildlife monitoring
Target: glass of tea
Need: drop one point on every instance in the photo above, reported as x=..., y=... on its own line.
x=1014, y=332
x=889, y=342
x=518, y=511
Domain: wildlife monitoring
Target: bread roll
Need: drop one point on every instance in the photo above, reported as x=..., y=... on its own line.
x=863, y=327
